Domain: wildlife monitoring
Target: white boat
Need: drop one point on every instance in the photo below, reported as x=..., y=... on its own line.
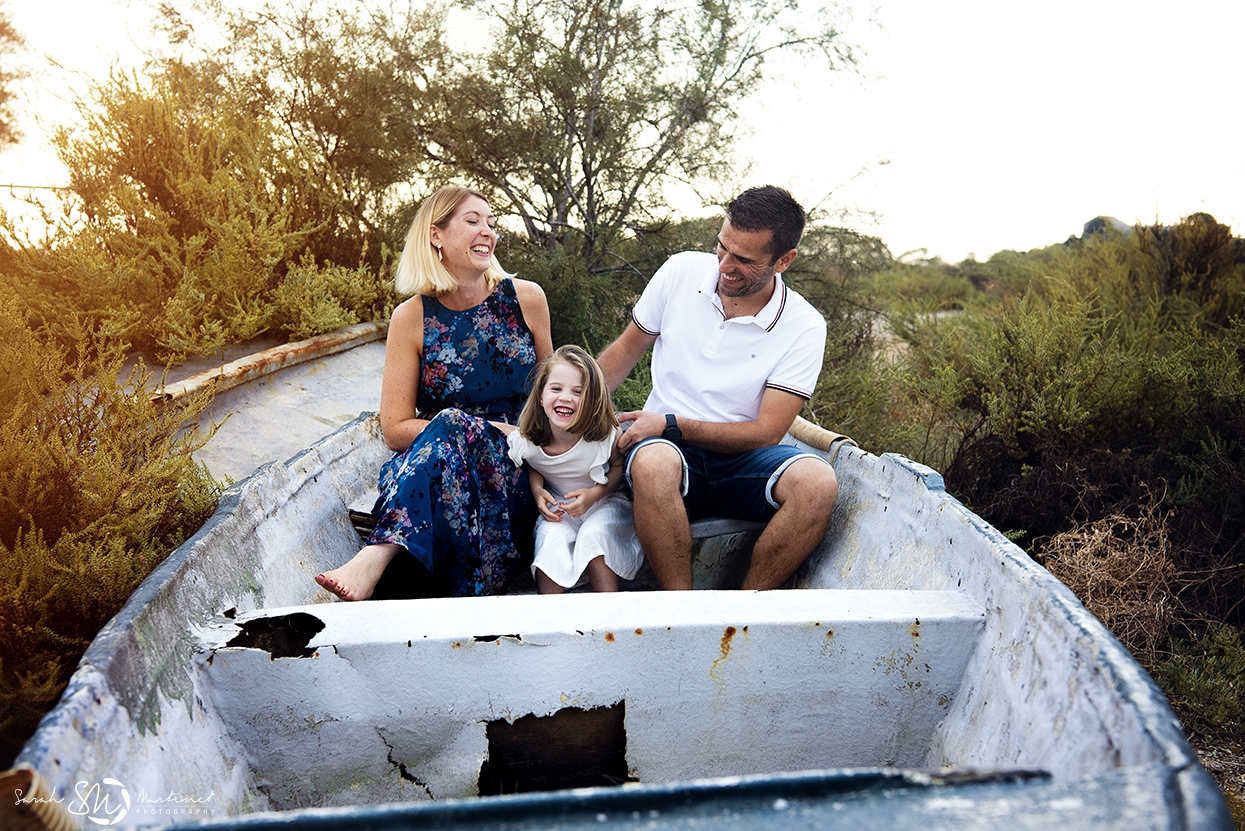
x=922, y=671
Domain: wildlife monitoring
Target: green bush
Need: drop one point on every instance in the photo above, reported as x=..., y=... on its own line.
x=312, y=300
x=1106, y=382
x=99, y=487
x=1205, y=680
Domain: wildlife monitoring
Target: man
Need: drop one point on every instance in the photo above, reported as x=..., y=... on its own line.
x=736, y=353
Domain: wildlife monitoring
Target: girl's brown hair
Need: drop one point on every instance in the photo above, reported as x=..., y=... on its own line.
x=595, y=418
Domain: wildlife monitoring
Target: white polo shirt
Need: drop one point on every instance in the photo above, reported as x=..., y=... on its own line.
x=709, y=368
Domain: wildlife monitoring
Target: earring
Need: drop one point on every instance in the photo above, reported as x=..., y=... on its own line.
x=439, y=257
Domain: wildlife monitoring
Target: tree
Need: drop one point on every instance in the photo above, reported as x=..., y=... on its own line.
x=345, y=87
x=185, y=228
x=10, y=42
x=582, y=110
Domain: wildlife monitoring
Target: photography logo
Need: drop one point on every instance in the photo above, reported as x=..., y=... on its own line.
x=103, y=803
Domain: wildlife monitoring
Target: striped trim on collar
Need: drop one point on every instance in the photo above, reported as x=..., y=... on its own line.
x=777, y=302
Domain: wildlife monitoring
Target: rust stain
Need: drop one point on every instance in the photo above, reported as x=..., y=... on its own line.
x=915, y=629
x=728, y=635
x=269, y=361
x=456, y=645
x=609, y=637
x=829, y=634
x=639, y=631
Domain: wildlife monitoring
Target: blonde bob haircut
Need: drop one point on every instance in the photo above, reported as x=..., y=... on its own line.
x=595, y=418
x=420, y=270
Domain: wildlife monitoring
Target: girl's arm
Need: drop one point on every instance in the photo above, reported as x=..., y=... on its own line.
x=536, y=481
x=579, y=501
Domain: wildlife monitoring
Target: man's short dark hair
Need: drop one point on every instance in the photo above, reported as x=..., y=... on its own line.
x=769, y=208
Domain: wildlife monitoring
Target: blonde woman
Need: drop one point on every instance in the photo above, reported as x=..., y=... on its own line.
x=457, y=360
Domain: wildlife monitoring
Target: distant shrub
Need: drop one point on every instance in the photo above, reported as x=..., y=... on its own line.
x=935, y=289
x=98, y=488
x=1060, y=410
x=1205, y=680
x=312, y=299
x=1199, y=267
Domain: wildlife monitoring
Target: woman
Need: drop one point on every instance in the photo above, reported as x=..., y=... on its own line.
x=457, y=359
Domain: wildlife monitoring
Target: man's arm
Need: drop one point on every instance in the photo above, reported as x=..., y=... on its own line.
x=618, y=359
x=774, y=419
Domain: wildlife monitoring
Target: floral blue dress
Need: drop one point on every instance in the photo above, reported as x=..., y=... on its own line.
x=453, y=498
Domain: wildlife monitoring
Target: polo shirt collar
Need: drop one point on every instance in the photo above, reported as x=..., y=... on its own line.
x=767, y=318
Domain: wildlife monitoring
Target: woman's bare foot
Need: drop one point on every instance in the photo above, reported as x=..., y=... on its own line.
x=358, y=578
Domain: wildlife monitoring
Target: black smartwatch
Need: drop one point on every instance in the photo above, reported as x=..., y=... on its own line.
x=672, y=431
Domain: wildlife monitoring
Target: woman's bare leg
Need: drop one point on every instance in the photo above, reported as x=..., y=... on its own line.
x=357, y=579
x=603, y=579
x=545, y=585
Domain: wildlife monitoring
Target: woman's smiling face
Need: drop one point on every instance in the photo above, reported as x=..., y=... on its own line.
x=467, y=239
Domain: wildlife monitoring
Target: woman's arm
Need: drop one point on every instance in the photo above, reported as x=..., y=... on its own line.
x=399, y=388
x=536, y=312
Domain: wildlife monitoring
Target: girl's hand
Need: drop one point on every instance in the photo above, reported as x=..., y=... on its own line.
x=578, y=502
x=549, y=507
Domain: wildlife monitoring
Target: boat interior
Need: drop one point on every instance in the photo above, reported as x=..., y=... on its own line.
x=916, y=637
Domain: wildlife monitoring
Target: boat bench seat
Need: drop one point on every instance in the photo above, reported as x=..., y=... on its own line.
x=721, y=548
x=373, y=702
x=363, y=521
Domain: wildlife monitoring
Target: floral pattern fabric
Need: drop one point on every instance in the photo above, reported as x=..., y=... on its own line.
x=454, y=499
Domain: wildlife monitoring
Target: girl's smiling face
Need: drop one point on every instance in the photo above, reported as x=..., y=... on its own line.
x=561, y=395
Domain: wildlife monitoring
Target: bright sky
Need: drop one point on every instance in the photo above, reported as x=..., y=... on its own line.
x=974, y=125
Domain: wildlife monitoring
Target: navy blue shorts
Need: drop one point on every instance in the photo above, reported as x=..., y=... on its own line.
x=739, y=486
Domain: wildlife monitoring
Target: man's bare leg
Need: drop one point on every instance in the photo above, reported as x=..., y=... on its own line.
x=660, y=518
x=806, y=491
x=357, y=579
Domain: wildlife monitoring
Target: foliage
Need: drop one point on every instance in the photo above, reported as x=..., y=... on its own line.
x=188, y=217
x=184, y=234
x=346, y=88
x=98, y=488
x=11, y=42
x=1205, y=680
x=1059, y=411
x=312, y=300
x=581, y=111
x=1197, y=269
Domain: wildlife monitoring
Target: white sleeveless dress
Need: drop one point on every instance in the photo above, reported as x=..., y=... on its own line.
x=564, y=549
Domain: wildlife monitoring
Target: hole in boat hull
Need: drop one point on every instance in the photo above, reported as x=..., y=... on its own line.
x=572, y=748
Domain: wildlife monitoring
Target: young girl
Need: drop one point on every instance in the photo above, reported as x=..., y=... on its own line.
x=566, y=435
